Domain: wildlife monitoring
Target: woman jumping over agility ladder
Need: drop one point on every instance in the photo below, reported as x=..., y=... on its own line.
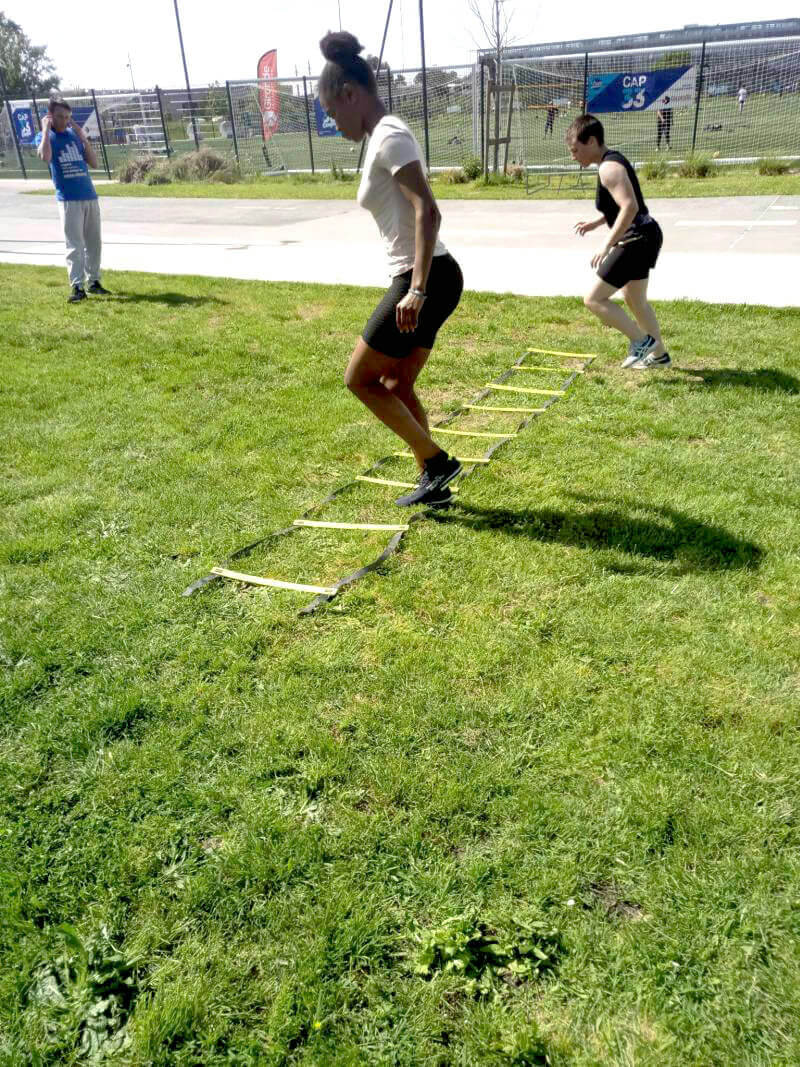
x=426, y=280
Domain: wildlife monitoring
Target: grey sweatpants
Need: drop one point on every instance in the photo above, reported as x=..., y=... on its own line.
x=81, y=222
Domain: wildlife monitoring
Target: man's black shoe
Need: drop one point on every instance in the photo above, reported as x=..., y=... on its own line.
x=77, y=294
x=96, y=289
x=439, y=471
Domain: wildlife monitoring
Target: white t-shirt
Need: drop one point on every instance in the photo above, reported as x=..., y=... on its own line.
x=391, y=146
x=742, y=95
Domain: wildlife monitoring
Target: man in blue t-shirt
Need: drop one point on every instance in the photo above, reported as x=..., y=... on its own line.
x=67, y=149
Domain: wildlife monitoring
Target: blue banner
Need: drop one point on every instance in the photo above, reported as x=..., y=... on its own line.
x=326, y=127
x=23, y=120
x=640, y=91
x=81, y=115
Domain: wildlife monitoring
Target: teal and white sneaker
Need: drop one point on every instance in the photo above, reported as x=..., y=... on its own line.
x=638, y=350
x=651, y=362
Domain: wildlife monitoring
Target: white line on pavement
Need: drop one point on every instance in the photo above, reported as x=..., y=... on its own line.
x=741, y=223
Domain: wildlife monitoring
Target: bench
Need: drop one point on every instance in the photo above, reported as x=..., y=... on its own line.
x=545, y=178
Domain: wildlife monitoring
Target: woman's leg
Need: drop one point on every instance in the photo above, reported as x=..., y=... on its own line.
x=635, y=294
x=381, y=384
x=598, y=301
x=400, y=382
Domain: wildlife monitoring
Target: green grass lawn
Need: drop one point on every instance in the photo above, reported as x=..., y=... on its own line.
x=529, y=792
x=728, y=182
x=768, y=126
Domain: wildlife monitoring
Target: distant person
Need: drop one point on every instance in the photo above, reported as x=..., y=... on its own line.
x=426, y=281
x=631, y=250
x=550, y=118
x=742, y=96
x=67, y=149
x=664, y=123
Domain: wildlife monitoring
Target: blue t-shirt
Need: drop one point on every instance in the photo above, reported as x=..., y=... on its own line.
x=68, y=167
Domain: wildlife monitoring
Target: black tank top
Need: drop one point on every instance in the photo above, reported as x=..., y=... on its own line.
x=607, y=205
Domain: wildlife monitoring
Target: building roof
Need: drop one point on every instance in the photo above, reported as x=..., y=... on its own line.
x=692, y=34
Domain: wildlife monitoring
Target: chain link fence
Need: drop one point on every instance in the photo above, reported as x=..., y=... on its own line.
x=278, y=126
x=706, y=113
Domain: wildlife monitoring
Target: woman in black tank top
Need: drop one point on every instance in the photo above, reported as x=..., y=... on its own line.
x=630, y=251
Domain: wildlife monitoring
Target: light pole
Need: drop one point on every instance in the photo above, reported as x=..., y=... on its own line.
x=129, y=65
x=186, y=76
x=424, y=86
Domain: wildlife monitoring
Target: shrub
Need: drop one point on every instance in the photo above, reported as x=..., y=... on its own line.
x=472, y=168
x=227, y=174
x=339, y=174
x=159, y=174
x=773, y=166
x=198, y=166
x=697, y=166
x=509, y=178
x=204, y=165
x=452, y=177
x=136, y=169
x=654, y=169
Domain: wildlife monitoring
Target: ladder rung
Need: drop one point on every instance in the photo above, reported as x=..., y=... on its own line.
x=498, y=140
x=350, y=525
x=398, y=485
x=526, y=411
x=525, y=389
x=555, y=352
x=471, y=433
x=562, y=370
x=272, y=583
x=462, y=459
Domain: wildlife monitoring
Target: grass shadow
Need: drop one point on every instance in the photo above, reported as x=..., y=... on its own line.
x=171, y=299
x=666, y=536
x=770, y=381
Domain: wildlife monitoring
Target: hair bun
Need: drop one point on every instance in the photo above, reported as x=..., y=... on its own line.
x=341, y=48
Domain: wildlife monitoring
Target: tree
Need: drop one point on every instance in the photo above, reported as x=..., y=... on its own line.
x=436, y=77
x=26, y=67
x=495, y=26
x=217, y=99
x=680, y=58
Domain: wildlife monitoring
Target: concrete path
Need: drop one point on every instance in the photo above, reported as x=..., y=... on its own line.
x=743, y=250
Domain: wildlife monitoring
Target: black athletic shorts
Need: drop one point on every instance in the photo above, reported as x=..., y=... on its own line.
x=444, y=288
x=633, y=257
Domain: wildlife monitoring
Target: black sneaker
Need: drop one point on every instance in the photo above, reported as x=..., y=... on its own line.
x=438, y=473
x=443, y=500
x=96, y=289
x=78, y=293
